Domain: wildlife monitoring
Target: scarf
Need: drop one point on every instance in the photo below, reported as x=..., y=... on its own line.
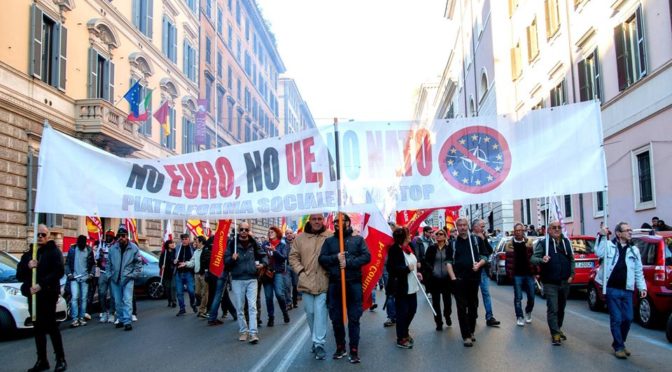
x=407, y=249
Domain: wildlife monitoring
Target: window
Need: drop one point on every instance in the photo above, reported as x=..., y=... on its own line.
x=143, y=11
x=220, y=105
x=630, y=50
x=101, y=76
x=247, y=29
x=598, y=204
x=238, y=50
x=539, y=105
x=238, y=13
x=190, y=61
x=559, y=95
x=208, y=8
x=51, y=220
x=472, y=106
x=229, y=75
x=643, y=180
x=169, y=40
x=516, y=64
x=247, y=99
x=532, y=41
x=590, y=81
x=48, y=49
x=239, y=123
x=648, y=251
x=188, y=136
x=513, y=4
x=248, y=136
x=552, y=18
x=229, y=32
x=230, y=5
x=193, y=5
x=248, y=64
x=229, y=116
x=220, y=74
x=169, y=141
x=484, y=85
x=240, y=93
x=568, y=206
x=208, y=50
x=220, y=21
x=208, y=89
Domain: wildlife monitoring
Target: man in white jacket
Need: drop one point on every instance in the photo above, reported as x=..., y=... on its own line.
x=620, y=273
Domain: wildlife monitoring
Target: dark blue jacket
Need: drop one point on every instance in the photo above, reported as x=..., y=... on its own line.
x=277, y=259
x=356, y=255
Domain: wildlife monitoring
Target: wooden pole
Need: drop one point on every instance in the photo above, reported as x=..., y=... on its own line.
x=341, y=247
x=34, y=280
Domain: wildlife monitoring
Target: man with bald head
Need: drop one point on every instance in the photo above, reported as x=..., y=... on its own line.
x=50, y=269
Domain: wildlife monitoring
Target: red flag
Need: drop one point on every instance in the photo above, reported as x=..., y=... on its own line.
x=329, y=222
x=219, y=247
x=413, y=219
x=452, y=214
x=161, y=115
x=132, y=229
x=378, y=237
x=195, y=227
x=94, y=227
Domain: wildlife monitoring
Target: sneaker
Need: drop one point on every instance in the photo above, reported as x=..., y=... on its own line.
x=87, y=316
x=242, y=337
x=82, y=322
x=75, y=323
x=340, y=352
x=320, y=354
x=389, y=323
x=449, y=323
x=285, y=318
x=134, y=318
x=467, y=342
x=528, y=318
x=373, y=308
x=215, y=322
x=404, y=343
x=254, y=339
x=556, y=340
x=520, y=321
x=620, y=354
x=110, y=318
x=627, y=352
x=201, y=315
x=118, y=325
x=473, y=338
x=562, y=336
x=40, y=365
x=181, y=312
x=492, y=322
x=411, y=341
x=116, y=321
x=103, y=317
x=439, y=327
x=354, y=356
x=271, y=321
x=61, y=365
x=128, y=327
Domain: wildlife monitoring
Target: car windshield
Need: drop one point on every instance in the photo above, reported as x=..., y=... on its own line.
x=583, y=246
x=150, y=258
x=7, y=268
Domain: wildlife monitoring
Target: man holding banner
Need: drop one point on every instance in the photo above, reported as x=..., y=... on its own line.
x=355, y=255
x=313, y=282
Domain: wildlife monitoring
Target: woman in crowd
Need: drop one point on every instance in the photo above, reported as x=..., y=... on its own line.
x=273, y=277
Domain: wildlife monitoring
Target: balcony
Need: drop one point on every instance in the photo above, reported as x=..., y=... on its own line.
x=106, y=126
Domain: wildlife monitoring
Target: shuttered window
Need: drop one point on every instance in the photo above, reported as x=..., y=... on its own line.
x=552, y=18
x=532, y=41
x=143, y=11
x=48, y=49
x=169, y=39
x=101, y=76
x=590, y=84
x=516, y=63
x=630, y=50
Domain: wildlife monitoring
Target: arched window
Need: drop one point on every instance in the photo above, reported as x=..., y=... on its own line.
x=484, y=84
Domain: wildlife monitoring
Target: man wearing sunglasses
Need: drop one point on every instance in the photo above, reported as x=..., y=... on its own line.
x=557, y=272
x=184, y=275
x=50, y=269
x=124, y=266
x=243, y=258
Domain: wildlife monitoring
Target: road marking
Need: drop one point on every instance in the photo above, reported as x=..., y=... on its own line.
x=287, y=361
x=279, y=344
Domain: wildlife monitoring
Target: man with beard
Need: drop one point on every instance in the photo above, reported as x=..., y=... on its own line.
x=50, y=269
x=355, y=255
x=313, y=282
x=124, y=267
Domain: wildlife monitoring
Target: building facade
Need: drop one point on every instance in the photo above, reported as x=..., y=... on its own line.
x=70, y=63
x=545, y=53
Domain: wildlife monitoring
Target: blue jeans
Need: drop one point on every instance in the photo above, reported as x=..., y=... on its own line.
x=123, y=297
x=316, y=315
x=104, y=286
x=353, y=298
x=242, y=290
x=619, y=302
x=277, y=286
x=390, y=306
x=485, y=293
x=182, y=278
x=80, y=293
x=217, y=299
x=287, y=280
x=519, y=282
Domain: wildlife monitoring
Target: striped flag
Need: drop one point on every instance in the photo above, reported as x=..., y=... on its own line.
x=143, y=110
x=132, y=227
x=161, y=115
x=195, y=227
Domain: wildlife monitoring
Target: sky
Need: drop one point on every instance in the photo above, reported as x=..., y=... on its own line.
x=359, y=59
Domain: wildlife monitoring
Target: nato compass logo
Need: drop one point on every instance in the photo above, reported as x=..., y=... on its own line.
x=475, y=159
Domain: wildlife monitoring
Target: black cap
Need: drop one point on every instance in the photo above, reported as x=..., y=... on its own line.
x=122, y=230
x=427, y=228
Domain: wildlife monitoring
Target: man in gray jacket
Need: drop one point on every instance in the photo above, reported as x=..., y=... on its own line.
x=619, y=274
x=124, y=266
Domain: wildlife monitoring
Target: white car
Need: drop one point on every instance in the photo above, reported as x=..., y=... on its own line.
x=14, y=312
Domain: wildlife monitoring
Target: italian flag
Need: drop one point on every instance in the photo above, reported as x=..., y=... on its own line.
x=143, y=114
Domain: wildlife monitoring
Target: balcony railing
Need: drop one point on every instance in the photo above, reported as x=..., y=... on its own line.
x=105, y=125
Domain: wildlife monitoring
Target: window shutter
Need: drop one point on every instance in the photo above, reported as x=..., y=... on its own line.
x=35, y=64
x=640, y=43
x=62, y=58
x=136, y=13
x=185, y=58
x=173, y=35
x=164, y=36
x=109, y=81
x=150, y=18
x=621, y=58
x=194, y=66
x=584, y=92
x=93, y=73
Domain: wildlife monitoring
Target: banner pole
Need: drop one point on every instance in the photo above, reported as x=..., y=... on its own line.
x=546, y=232
x=34, y=270
x=341, y=247
x=471, y=247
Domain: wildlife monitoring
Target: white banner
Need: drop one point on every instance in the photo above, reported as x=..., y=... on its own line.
x=387, y=165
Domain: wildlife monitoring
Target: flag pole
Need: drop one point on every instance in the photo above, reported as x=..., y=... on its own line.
x=341, y=247
x=471, y=248
x=546, y=232
x=34, y=279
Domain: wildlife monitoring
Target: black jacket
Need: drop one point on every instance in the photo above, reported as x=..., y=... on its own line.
x=397, y=270
x=244, y=268
x=50, y=269
x=70, y=260
x=430, y=260
x=205, y=260
x=356, y=255
x=168, y=268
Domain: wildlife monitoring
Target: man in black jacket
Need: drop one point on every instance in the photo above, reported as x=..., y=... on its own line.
x=50, y=269
x=184, y=274
x=356, y=254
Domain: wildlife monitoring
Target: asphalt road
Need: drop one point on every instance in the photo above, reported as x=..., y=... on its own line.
x=162, y=342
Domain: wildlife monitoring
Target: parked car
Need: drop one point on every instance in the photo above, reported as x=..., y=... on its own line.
x=497, y=270
x=14, y=313
x=656, y=251
x=149, y=282
x=584, y=258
